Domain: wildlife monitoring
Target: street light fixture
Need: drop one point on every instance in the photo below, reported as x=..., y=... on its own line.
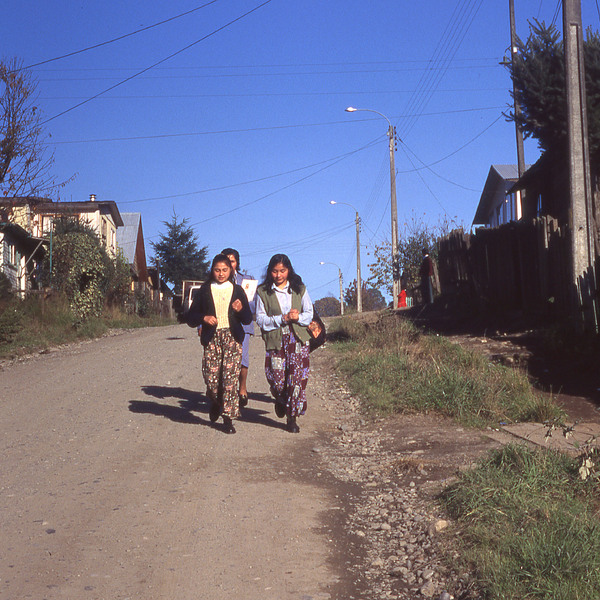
x=358, y=279
x=341, y=285
x=395, y=262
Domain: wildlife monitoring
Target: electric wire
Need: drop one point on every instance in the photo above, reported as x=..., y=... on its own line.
x=203, y=38
x=238, y=184
x=243, y=130
x=121, y=37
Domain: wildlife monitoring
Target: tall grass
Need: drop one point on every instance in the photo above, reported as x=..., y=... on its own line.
x=392, y=366
x=33, y=325
x=529, y=526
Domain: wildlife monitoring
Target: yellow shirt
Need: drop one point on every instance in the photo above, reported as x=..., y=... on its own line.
x=221, y=293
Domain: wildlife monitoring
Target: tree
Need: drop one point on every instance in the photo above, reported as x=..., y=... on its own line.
x=414, y=236
x=372, y=299
x=328, y=306
x=178, y=253
x=25, y=160
x=538, y=74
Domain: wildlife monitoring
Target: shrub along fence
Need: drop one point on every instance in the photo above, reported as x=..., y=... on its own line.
x=520, y=266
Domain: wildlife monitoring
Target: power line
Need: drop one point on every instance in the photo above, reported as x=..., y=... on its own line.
x=187, y=77
x=232, y=185
x=121, y=37
x=246, y=130
x=495, y=60
x=159, y=62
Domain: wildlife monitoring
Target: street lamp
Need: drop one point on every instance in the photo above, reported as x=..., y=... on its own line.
x=358, y=279
x=395, y=261
x=341, y=285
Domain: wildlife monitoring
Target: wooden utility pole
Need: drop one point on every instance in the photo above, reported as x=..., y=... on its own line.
x=580, y=210
x=517, y=106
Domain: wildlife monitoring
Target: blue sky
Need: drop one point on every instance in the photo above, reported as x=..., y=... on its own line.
x=244, y=132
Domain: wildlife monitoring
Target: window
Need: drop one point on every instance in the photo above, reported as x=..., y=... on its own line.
x=12, y=254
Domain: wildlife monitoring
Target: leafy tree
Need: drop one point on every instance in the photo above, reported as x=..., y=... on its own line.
x=83, y=270
x=414, y=236
x=178, y=253
x=25, y=161
x=538, y=75
x=372, y=299
x=78, y=270
x=328, y=306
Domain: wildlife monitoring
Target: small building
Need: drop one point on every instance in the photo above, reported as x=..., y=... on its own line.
x=499, y=202
x=130, y=242
x=545, y=187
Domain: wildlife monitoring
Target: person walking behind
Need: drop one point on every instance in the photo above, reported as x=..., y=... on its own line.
x=234, y=257
x=283, y=312
x=221, y=307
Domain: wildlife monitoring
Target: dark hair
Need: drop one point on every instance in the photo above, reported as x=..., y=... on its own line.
x=224, y=259
x=229, y=251
x=294, y=279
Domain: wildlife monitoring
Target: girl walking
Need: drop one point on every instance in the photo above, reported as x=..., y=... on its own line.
x=283, y=312
x=221, y=307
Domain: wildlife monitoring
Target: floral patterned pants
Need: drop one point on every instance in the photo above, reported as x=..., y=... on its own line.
x=287, y=373
x=221, y=370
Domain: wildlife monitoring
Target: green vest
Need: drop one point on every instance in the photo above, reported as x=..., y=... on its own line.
x=273, y=338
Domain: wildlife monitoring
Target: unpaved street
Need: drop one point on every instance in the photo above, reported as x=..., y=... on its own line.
x=114, y=484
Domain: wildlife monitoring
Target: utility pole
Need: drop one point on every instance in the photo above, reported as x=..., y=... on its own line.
x=359, y=305
x=580, y=210
x=395, y=260
x=341, y=293
x=517, y=106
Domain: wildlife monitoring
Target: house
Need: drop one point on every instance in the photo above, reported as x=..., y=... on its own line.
x=499, y=202
x=19, y=253
x=545, y=188
x=130, y=242
x=36, y=216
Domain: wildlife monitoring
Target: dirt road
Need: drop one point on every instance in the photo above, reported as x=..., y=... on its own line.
x=114, y=485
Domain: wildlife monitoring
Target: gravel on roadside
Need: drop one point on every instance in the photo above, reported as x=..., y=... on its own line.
x=399, y=540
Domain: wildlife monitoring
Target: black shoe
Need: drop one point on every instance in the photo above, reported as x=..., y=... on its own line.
x=280, y=409
x=292, y=426
x=243, y=400
x=214, y=412
x=228, y=425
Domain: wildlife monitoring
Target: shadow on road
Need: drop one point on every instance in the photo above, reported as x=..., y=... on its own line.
x=191, y=401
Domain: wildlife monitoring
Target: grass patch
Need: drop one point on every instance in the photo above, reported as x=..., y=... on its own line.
x=529, y=526
x=394, y=367
x=30, y=325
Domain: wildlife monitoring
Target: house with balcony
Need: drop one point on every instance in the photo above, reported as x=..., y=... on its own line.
x=19, y=255
x=37, y=215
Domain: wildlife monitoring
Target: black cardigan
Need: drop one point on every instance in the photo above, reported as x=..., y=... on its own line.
x=203, y=305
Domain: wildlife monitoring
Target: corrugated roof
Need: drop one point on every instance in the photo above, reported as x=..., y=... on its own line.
x=127, y=235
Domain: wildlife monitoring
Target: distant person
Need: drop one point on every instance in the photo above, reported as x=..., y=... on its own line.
x=221, y=307
x=283, y=312
x=402, y=295
x=234, y=258
x=426, y=273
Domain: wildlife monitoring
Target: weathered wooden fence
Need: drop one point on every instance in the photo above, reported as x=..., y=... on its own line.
x=516, y=267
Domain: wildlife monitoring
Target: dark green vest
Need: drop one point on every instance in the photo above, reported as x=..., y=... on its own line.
x=273, y=338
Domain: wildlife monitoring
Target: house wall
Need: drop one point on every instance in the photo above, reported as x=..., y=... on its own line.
x=506, y=208
x=102, y=224
x=12, y=263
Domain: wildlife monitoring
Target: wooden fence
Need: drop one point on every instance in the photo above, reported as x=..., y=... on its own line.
x=516, y=267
